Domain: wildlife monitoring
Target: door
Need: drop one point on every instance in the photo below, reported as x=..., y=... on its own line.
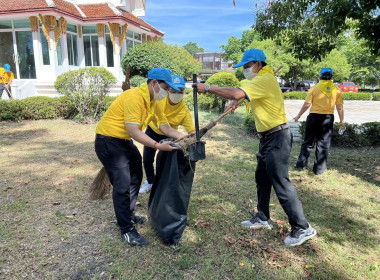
x=25, y=55
x=7, y=54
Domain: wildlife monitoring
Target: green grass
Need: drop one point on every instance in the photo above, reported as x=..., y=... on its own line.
x=50, y=230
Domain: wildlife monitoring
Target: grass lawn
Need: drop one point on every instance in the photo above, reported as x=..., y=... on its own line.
x=49, y=229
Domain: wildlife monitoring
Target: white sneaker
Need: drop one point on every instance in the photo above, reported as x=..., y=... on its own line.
x=298, y=236
x=256, y=223
x=145, y=187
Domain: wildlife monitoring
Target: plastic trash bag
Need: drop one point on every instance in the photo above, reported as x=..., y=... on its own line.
x=170, y=195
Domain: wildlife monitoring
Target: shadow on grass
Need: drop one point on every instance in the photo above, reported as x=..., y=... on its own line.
x=333, y=218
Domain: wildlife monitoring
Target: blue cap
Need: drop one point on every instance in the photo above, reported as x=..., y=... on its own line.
x=325, y=70
x=179, y=81
x=162, y=74
x=251, y=55
x=7, y=67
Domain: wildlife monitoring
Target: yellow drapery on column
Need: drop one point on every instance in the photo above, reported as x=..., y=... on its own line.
x=114, y=32
x=48, y=24
x=59, y=30
x=149, y=38
x=123, y=36
x=34, y=24
x=80, y=31
x=144, y=37
x=100, y=27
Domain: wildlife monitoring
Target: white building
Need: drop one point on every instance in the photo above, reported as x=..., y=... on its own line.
x=41, y=39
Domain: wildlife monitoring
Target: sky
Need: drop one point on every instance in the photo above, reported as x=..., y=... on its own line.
x=209, y=23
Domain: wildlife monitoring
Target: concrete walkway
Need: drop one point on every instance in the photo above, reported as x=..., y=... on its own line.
x=355, y=112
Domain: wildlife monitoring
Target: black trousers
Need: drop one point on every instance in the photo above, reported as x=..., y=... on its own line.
x=319, y=129
x=273, y=170
x=2, y=89
x=149, y=154
x=123, y=164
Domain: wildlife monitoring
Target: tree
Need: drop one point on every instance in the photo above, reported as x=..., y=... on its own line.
x=235, y=47
x=193, y=48
x=363, y=63
x=337, y=61
x=146, y=56
x=312, y=26
x=233, y=50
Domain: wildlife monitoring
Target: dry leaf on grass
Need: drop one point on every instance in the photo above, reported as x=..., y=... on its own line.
x=228, y=241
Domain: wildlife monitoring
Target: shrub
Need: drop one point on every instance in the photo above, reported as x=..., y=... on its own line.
x=213, y=102
x=137, y=80
x=376, y=96
x=146, y=56
x=35, y=108
x=249, y=124
x=357, y=95
x=86, y=88
x=299, y=95
x=366, y=134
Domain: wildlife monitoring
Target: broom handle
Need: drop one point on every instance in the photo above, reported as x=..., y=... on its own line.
x=228, y=111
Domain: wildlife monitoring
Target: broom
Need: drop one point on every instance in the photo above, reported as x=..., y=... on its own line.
x=101, y=185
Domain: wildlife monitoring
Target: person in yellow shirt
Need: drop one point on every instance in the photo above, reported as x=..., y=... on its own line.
x=122, y=123
x=267, y=104
x=6, y=78
x=176, y=113
x=320, y=122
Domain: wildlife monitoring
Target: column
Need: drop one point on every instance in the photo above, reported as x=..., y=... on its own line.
x=102, y=45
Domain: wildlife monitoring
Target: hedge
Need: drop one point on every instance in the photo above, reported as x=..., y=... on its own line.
x=366, y=134
x=41, y=107
x=301, y=95
x=376, y=96
x=35, y=108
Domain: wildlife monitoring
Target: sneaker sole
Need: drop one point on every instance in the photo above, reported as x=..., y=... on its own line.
x=258, y=227
x=314, y=233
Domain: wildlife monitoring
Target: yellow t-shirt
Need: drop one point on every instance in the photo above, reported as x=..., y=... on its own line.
x=175, y=115
x=7, y=76
x=323, y=97
x=266, y=98
x=133, y=106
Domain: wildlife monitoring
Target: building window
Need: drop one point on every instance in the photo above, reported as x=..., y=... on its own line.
x=44, y=49
x=6, y=24
x=23, y=23
x=109, y=50
x=133, y=39
x=91, y=50
x=72, y=44
x=72, y=48
x=59, y=52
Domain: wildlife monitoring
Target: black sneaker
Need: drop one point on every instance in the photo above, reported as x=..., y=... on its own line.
x=139, y=220
x=133, y=238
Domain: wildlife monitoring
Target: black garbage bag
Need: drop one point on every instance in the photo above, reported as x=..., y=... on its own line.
x=170, y=195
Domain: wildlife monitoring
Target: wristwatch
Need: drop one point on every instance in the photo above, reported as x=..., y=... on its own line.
x=207, y=88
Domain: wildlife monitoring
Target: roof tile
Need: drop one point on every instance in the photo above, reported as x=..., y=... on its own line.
x=15, y=5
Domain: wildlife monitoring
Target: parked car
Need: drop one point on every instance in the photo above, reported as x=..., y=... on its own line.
x=348, y=87
x=305, y=85
x=285, y=87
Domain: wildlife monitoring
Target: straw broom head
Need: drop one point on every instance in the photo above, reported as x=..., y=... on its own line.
x=101, y=185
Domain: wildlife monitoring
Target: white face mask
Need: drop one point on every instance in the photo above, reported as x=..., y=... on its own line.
x=248, y=74
x=175, y=97
x=161, y=93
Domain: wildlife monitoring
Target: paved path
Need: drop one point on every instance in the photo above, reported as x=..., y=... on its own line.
x=355, y=111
